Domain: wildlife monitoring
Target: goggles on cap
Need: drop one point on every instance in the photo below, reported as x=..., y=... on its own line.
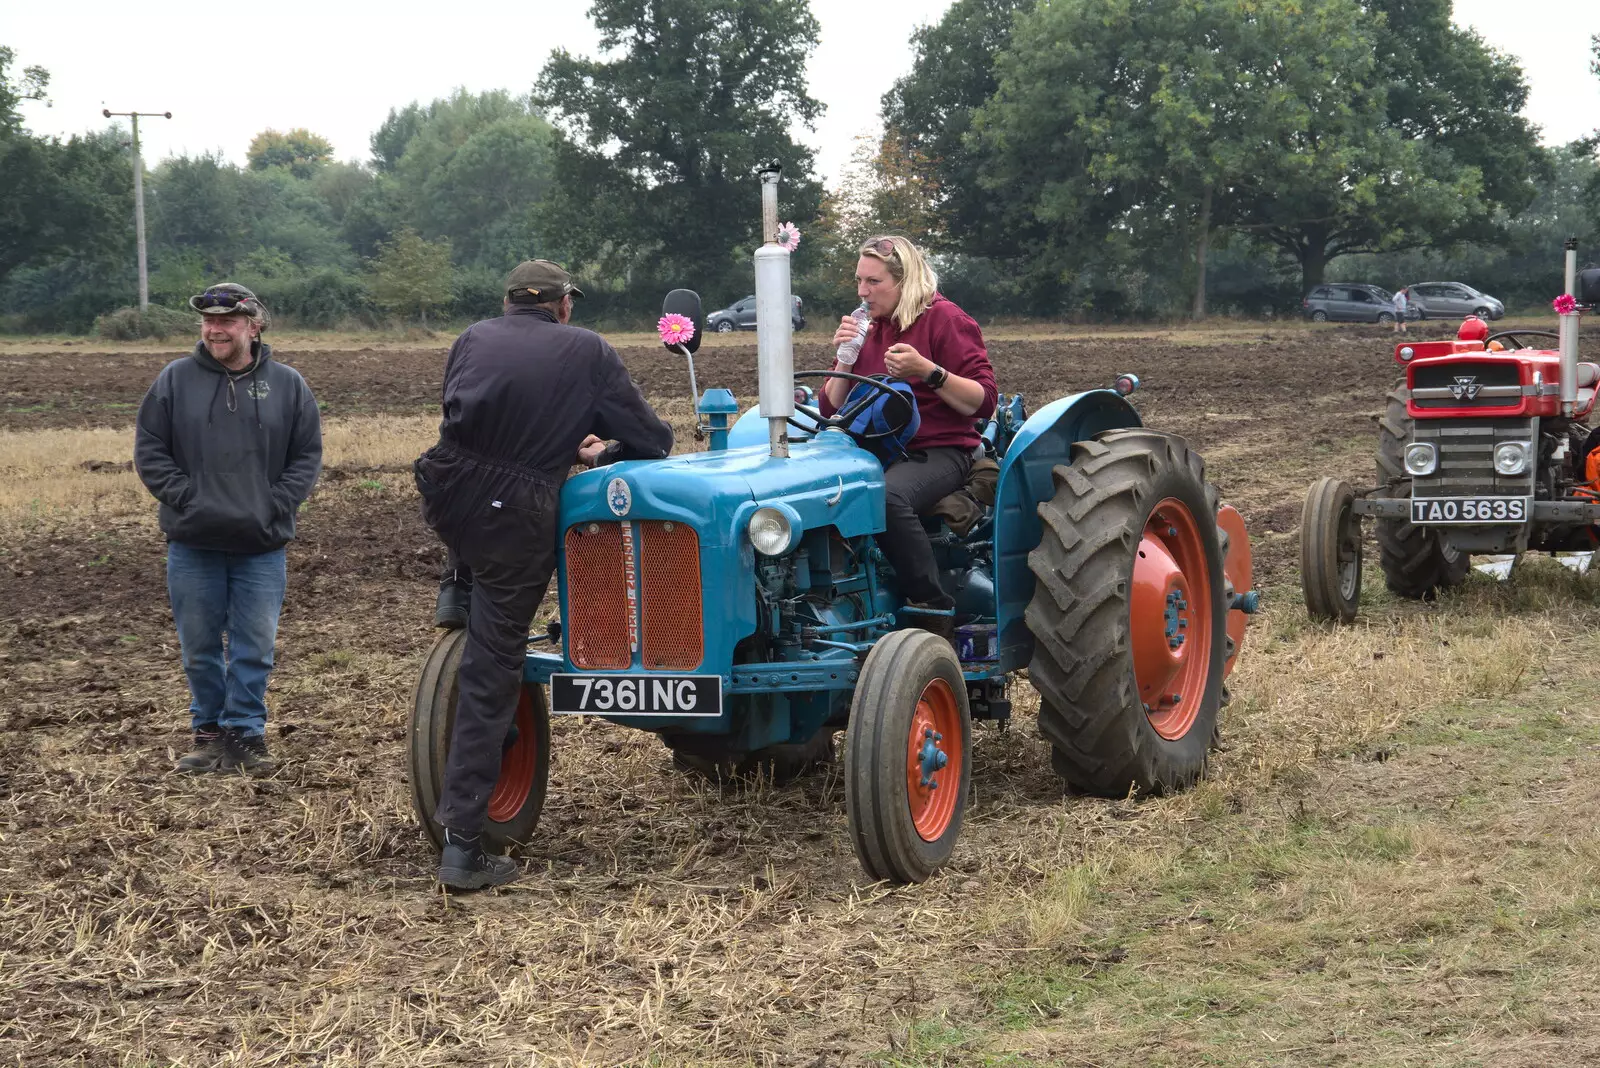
x=221, y=298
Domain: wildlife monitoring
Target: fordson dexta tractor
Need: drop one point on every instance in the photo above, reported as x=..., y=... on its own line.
x=733, y=602
x=1484, y=450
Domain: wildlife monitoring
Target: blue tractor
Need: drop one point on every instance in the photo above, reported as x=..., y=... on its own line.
x=733, y=602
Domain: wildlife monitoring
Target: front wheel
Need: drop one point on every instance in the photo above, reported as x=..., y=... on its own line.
x=1385, y=318
x=1330, y=551
x=1482, y=313
x=725, y=327
x=1417, y=562
x=1128, y=615
x=518, y=796
x=907, y=765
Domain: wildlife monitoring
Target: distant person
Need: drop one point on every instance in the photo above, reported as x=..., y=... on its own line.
x=1402, y=304
x=919, y=336
x=524, y=396
x=230, y=443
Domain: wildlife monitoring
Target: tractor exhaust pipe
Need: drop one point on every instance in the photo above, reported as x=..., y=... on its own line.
x=1569, y=338
x=774, y=331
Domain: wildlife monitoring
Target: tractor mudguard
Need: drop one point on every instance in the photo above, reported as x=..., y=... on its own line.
x=1044, y=441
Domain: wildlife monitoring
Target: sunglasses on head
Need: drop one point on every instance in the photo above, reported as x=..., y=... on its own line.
x=220, y=298
x=883, y=246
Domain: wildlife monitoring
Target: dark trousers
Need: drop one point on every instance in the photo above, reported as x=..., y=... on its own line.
x=911, y=487
x=500, y=525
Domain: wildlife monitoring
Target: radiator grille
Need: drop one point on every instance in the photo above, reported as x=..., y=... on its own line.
x=664, y=621
x=1466, y=457
x=673, y=634
x=1467, y=385
x=597, y=597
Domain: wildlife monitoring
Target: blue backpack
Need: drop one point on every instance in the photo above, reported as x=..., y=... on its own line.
x=881, y=415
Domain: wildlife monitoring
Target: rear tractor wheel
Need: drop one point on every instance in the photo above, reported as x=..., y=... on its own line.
x=907, y=757
x=1330, y=551
x=1416, y=561
x=1129, y=615
x=518, y=796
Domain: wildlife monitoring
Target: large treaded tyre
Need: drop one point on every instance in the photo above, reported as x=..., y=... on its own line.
x=1416, y=562
x=518, y=797
x=908, y=764
x=1098, y=647
x=1330, y=551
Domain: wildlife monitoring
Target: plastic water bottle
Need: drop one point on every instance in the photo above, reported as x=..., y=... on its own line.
x=851, y=349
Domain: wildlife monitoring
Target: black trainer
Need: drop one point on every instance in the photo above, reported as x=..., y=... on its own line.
x=245, y=752
x=455, y=594
x=463, y=865
x=209, y=748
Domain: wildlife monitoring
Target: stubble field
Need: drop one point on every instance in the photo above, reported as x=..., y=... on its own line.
x=1393, y=861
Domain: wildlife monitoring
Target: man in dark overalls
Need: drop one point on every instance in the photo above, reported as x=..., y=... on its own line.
x=524, y=395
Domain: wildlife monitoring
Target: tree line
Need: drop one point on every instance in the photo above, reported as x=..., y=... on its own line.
x=1100, y=159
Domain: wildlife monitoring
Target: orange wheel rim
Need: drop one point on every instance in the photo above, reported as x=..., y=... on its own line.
x=1170, y=619
x=518, y=766
x=933, y=760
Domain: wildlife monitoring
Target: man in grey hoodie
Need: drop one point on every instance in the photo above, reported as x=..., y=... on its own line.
x=230, y=443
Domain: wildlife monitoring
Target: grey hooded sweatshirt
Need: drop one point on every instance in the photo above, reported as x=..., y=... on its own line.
x=230, y=455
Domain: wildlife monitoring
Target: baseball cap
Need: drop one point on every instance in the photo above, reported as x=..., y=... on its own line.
x=542, y=280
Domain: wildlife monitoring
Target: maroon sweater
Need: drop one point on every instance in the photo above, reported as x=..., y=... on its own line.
x=946, y=335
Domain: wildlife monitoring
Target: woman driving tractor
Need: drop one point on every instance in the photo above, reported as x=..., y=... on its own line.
x=919, y=337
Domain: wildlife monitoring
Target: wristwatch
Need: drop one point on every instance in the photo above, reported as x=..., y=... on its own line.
x=936, y=378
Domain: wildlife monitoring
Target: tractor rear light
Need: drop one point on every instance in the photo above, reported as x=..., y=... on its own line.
x=1126, y=384
x=1511, y=457
x=1421, y=458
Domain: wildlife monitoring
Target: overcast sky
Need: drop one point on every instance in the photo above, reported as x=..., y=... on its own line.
x=228, y=71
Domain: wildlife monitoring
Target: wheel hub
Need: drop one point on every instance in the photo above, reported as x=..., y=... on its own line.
x=1169, y=618
x=932, y=758
x=1160, y=592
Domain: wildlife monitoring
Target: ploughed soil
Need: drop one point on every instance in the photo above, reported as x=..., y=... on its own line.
x=150, y=919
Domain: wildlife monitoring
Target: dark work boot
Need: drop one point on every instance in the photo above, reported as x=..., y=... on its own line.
x=463, y=865
x=245, y=752
x=455, y=593
x=209, y=747
x=942, y=625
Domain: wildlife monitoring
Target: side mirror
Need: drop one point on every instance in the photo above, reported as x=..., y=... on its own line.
x=686, y=302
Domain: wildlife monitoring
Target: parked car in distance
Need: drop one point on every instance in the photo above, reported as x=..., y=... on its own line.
x=741, y=315
x=1453, y=300
x=1351, y=302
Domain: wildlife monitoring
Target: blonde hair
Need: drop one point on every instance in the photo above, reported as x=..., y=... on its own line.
x=911, y=271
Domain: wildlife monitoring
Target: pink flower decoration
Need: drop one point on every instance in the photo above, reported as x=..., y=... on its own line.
x=675, y=329
x=1565, y=304
x=788, y=237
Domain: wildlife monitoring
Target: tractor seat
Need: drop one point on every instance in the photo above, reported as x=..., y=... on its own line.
x=966, y=507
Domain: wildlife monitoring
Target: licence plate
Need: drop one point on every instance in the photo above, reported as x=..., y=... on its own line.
x=1470, y=509
x=636, y=695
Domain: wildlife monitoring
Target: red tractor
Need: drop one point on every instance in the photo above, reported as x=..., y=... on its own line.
x=1484, y=450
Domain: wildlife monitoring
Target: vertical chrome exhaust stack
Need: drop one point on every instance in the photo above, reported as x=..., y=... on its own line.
x=1569, y=338
x=774, y=330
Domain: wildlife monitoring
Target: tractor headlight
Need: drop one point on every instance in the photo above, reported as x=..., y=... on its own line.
x=1511, y=457
x=1421, y=458
x=1406, y=352
x=771, y=532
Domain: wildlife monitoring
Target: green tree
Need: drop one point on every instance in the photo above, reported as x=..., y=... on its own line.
x=664, y=138
x=474, y=168
x=412, y=275
x=928, y=112
x=30, y=85
x=299, y=150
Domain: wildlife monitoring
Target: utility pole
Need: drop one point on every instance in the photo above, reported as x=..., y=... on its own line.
x=138, y=197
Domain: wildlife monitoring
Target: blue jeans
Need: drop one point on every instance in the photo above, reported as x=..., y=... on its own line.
x=226, y=607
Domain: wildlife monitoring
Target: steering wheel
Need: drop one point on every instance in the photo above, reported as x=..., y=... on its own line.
x=1516, y=337
x=841, y=419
